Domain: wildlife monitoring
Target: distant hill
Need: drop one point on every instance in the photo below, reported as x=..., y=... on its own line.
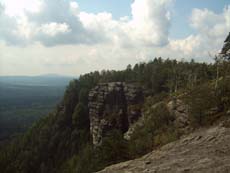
x=42, y=80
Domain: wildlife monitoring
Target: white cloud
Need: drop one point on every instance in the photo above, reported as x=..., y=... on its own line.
x=54, y=28
x=19, y=7
x=53, y=24
x=149, y=24
x=211, y=30
x=74, y=7
x=60, y=38
x=210, y=23
x=187, y=45
x=24, y=30
x=151, y=21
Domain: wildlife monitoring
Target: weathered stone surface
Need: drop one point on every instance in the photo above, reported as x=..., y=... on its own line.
x=180, y=112
x=204, y=151
x=133, y=127
x=113, y=106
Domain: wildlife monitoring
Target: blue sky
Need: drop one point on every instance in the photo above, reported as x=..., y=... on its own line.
x=118, y=8
x=72, y=37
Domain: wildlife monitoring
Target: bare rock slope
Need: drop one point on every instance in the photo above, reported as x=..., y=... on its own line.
x=204, y=151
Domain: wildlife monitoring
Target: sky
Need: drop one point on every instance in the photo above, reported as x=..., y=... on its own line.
x=73, y=37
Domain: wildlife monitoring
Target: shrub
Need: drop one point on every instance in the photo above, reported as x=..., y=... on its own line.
x=223, y=94
x=201, y=100
x=156, y=130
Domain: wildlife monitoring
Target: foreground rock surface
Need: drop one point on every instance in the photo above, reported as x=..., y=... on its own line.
x=204, y=151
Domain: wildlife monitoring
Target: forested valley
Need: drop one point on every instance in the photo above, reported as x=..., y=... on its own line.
x=24, y=100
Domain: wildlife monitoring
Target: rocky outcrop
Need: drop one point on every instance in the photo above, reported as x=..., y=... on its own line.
x=204, y=151
x=133, y=127
x=114, y=105
x=179, y=110
x=180, y=116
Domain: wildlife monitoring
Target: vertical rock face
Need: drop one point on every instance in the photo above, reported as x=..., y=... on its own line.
x=113, y=105
x=180, y=112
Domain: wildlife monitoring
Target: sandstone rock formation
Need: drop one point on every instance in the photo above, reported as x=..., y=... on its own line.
x=204, y=151
x=114, y=105
x=181, y=115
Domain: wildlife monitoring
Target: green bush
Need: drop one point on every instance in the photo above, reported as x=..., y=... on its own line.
x=114, y=149
x=200, y=101
x=223, y=94
x=157, y=130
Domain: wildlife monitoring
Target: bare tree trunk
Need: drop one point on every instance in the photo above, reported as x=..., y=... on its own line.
x=195, y=79
x=217, y=76
x=176, y=85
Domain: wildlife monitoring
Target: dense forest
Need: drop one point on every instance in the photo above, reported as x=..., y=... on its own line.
x=61, y=141
x=24, y=100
